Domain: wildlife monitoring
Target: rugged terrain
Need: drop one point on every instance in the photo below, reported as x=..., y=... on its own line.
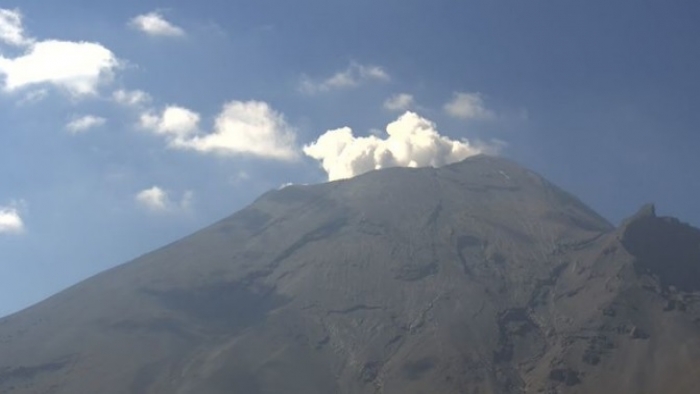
x=478, y=277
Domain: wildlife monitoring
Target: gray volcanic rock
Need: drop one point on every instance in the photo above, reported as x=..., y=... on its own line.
x=478, y=277
x=664, y=247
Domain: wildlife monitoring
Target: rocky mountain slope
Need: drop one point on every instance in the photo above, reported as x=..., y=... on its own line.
x=478, y=277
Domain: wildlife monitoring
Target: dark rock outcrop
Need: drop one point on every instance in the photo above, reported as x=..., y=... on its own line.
x=664, y=247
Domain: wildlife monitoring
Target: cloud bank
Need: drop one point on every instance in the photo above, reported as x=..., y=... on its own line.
x=410, y=141
x=249, y=128
x=77, y=67
x=353, y=76
x=154, y=24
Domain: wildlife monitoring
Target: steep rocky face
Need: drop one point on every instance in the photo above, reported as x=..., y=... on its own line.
x=478, y=277
x=664, y=247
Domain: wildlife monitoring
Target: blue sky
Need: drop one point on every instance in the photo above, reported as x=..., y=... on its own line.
x=126, y=125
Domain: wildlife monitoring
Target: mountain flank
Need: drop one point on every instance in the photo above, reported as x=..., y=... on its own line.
x=477, y=277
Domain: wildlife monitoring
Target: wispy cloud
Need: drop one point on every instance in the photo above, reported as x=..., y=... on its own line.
x=248, y=128
x=77, y=67
x=156, y=199
x=84, y=123
x=410, y=141
x=131, y=98
x=154, y=24
x=353, y=76
x=10, y=220
x=11, y=29
x=399, y=102
x=467, y=106
x=33, y=96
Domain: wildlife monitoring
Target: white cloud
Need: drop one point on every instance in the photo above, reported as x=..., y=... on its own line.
x=351, y=77
x=399, y=102
x=248, y=128
x=85, y=123
x=10, y=220
x=11, y=29
x=467, y=106
x=175, y=121
x=154, y=24
x=156, y=199
x=78, y=67
x=242, y=128
x=410, y=141
x=131, y=98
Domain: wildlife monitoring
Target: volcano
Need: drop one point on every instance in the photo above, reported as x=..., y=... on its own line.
x=477, y=277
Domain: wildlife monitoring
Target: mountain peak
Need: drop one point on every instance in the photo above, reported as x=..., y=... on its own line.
x=645, y=212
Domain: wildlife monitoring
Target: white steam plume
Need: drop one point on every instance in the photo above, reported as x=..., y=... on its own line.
x=411, y=141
